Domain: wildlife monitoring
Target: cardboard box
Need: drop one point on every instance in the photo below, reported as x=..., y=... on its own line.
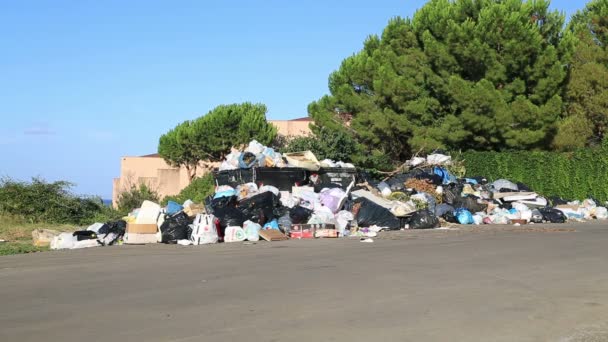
x=141, y=228
x=272, y=235
x=139, y=239
x=326, y=233
x=302, y=231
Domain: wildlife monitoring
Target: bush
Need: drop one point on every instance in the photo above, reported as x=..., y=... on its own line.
x=39, y=201
x=197, y=191
x=134, y=197
x=577, y=175
x=326, y=144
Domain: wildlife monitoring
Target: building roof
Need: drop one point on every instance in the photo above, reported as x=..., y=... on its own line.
x=306, y=118
x=153, y=155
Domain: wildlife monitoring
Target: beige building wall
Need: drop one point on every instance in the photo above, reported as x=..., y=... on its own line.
x=293, y=128
x=153, y=171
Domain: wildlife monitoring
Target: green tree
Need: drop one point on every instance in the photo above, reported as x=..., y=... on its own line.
x=587, y=91
x=210, y=137
x=463, y=74
x=178, y=148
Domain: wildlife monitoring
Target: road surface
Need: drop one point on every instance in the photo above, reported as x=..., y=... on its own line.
x=529, y=283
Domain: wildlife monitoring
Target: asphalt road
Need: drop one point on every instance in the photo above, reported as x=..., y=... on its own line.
x=529, y=283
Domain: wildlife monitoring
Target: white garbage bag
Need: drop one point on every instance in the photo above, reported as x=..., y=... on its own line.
x=342, y=219
x=252, y=230
x=601, y=213
x=95, y=227
x=416, y=161
x=234, y=234
x=63, y=241
x=438, y=159
x=148, y=213
x=269, y=188
x=385, y=189
x=204, y=230
x=504, y=184
x=255, y=147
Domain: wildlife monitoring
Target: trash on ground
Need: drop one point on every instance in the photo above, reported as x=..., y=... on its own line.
x=262, y=194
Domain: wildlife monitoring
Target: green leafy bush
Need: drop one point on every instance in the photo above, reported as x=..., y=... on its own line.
x=199, y=189
x=134, y=197
x=40, y=201
x=576, y=175
x=325, y=144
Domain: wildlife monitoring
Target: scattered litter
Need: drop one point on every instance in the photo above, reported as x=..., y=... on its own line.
x=262, y=194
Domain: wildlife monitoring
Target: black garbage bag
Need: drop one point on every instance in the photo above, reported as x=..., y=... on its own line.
x=469, y=203
x=556, y=200
x=175, y=227
x=523, y=187
x=85, y=235
x=423, y=219
x=553, y=215
x=116, y=227
x=397, y=182
x=299, y=215
x=225, y=210
x=450, y=217
x=368, y=213
x=451, y=192
x=259, y=208
x=442, y=209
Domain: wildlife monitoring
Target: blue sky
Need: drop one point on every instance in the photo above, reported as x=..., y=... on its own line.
x=85, y=82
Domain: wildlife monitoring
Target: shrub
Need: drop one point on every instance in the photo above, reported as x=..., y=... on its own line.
x=134, y=197
x=577, y=175
x=326, y=144
x=199, y=189
x=40, y=201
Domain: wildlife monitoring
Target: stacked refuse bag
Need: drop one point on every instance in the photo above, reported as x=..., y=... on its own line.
x=262, y=194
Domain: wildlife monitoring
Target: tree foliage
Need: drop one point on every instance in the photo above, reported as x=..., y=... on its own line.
x=464, y=74
x=587, y=90
x=210, y=137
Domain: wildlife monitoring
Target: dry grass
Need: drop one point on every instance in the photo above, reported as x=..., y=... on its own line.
x=18, y=234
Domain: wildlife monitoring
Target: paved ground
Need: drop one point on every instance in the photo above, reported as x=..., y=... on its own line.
x=531, y=283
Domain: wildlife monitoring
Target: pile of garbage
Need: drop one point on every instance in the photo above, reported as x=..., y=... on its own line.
x=295, y=196
x=258, y=155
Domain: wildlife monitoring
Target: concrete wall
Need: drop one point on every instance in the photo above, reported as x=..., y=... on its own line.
x=292, y=127
x=155, y=173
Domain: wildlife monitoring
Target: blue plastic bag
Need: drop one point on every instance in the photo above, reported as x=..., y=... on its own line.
x=464, y=216
x=445, y=175
x=173, y=208
x=247, y=160
x=272, y=225
x=227, y=193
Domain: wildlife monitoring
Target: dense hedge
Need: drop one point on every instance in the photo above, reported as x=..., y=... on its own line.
x=577, y=175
